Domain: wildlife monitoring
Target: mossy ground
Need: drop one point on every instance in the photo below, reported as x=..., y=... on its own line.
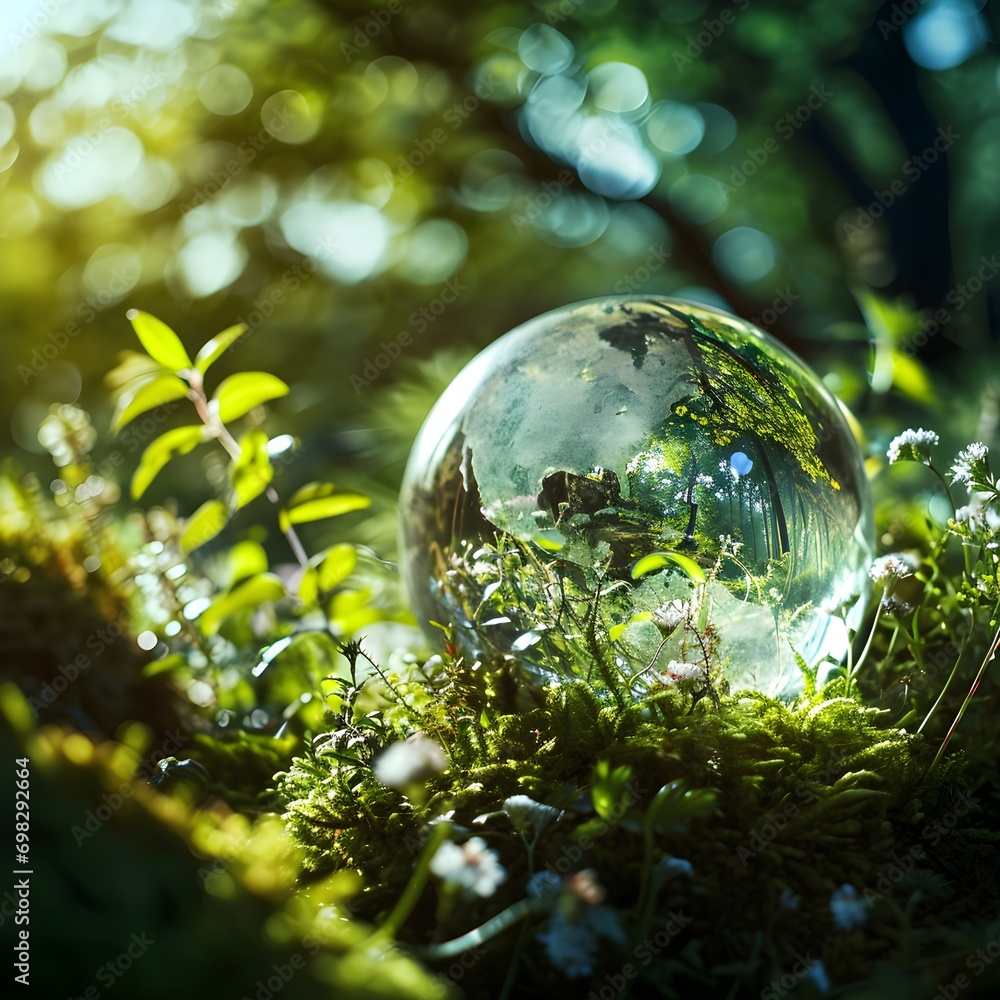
x=796, y=802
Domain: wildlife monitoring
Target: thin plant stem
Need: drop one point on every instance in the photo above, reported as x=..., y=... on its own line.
x=968, y=700
x=478, y=935
x=418, y=880
x=947, y=684
x=868, y=645
x=226, y=439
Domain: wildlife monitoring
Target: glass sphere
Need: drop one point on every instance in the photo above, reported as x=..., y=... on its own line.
x=652, y=481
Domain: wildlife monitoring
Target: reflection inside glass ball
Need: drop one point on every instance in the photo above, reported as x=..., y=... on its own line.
x=654, y=481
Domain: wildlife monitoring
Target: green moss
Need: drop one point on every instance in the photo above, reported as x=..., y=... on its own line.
x=805, y=799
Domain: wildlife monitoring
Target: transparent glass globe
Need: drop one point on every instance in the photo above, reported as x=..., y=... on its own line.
x=651, y=480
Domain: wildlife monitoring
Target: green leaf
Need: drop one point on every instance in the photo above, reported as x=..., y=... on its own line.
x=350, y=611
x=608, y=788
x=674, y=806
x=217, y=346
x=910, y=378
x=657, y=560
x=549, y=539
x=249, y=594
x=161, y=343
x=615, y=632
x=178, y=441
x=246, y=558
x=308, y=589
x=252, y=472
x=332, y=506
x=148, y=395
x=164, y=665
x=204, y=524
x=337, y=566
x=310, y=492
x=240, y=393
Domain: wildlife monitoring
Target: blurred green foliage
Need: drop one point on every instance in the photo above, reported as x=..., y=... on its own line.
x=367, y=184
x=377, y=190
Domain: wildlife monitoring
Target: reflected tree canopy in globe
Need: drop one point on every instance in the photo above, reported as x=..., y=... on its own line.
x=644, y=473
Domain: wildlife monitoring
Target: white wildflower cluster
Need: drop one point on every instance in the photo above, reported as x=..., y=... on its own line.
x=888, y=569
x=971, y=466
x=682, y=673
x=405, y=763
x=913, y=445
x=669, y=615
x=471, y=867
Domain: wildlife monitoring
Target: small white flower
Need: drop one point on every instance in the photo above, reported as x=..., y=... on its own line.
x=681, y=673
x=963, y=471
x=888, y=569
x=471, y=866
x=402, y=764
x=848, y=908
x=669, y=615
x=968, y=513
x=912, y=445
x=527, y=815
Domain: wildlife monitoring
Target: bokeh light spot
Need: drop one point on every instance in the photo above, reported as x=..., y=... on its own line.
x=288, y=116
x=744, y=254
x=544, y=49
x=675, y=128
x=618, y=87
x=225, y=90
